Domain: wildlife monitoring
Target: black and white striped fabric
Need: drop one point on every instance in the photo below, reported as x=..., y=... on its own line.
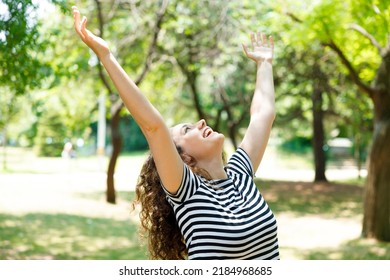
x=225, y=219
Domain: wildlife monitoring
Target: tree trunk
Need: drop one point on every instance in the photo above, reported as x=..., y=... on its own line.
x=116, y=149
x=195, y=96
x=376, y=221
x=318, y=127
x=232, y=130
x=318, y=137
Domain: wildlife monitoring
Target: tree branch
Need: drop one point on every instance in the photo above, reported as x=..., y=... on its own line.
x=100, y=18
x=157, y=28
x=294, y=17
x=100, y=30
x=352, y=73
x=118, y=104
x=191, y=78
x=104, y=79
x=366, y=34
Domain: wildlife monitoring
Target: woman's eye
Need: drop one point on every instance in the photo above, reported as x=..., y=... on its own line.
x=186, y=129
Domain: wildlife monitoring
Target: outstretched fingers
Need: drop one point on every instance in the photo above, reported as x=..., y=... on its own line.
x=264, y=39
x=245, y=49
x=76, y=16
x=271, y=42
x=80, y=26
x=253, y=40
x=76, y=13
x=84, y=27
x=259, y=39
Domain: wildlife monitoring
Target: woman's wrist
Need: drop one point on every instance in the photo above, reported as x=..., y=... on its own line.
x=260, y=62
x=104, y=57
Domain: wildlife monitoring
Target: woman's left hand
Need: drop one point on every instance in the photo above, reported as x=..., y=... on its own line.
x=97, y=44
x=262, y=49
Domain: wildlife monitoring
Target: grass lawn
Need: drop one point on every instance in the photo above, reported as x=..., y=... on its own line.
x=49, y=213
x=65, y=235
x=334, y=204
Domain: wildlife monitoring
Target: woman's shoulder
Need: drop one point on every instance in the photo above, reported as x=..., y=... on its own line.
x=240, y=162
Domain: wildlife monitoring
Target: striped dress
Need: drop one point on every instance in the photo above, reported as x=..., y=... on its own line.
x=225, y=219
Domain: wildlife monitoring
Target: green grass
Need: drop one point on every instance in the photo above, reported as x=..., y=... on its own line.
x=330, y=200
x=357, y=249
x=70, y=234
x=63, y=236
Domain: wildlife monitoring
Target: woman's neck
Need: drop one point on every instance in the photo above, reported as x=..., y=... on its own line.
x=214, y=167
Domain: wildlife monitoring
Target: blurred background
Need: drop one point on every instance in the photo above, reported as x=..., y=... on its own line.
x=71, y=153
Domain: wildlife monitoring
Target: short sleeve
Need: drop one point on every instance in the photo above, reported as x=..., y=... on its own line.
x=240, y=163
x=189, y=185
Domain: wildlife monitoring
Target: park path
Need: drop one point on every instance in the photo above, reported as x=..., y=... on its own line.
x=77, y=187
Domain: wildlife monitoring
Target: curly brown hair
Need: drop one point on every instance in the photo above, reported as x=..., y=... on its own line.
x=158, y=221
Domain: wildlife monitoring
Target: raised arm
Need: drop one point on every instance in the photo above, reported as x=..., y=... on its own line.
x=262, y=111
x=166, y=157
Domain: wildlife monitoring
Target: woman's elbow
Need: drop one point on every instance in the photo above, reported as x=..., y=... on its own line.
x=265, y=114
x=151, y=127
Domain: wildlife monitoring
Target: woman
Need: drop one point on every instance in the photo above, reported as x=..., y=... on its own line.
x=192, y=205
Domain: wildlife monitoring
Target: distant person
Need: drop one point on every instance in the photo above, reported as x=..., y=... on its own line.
x=192, y=205
x=68, y=151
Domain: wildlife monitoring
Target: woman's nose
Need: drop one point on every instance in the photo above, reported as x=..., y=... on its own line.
x=200, y=124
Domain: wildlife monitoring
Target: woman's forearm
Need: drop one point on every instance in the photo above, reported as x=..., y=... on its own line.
x=263, y=101
x=143, y=112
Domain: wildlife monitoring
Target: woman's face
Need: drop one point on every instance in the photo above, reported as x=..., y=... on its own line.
x=198, y=140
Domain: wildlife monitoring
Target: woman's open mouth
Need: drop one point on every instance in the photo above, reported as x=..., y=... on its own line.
x=207, y=132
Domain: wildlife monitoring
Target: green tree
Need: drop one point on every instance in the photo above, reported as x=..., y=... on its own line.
x=358, y=32
x=204, y=39
x=67, y=95
x=20, y=68
x=51, y=134
x=140, y=32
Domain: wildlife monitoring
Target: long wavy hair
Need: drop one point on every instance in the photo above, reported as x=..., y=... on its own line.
x=158, y=221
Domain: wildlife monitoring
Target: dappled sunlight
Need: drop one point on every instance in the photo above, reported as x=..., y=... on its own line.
x=46, y=236
x=354, y=249
x=303, y=198
x=319, y=220
x=299, y=234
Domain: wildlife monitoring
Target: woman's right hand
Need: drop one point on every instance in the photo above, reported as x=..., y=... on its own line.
x=97, y=44
x=262, y=49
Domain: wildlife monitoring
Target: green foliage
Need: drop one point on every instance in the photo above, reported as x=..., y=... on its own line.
x=63, y=114
x=20, y=42
x=8, y=107
x=348, y=112
x=133, y=140
x=204, y=38
x=63, y=102
x=21, y=121
x=300, y=145
x=201, y=40
x=374, y=15
x=51, y=134
x=21, y=69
